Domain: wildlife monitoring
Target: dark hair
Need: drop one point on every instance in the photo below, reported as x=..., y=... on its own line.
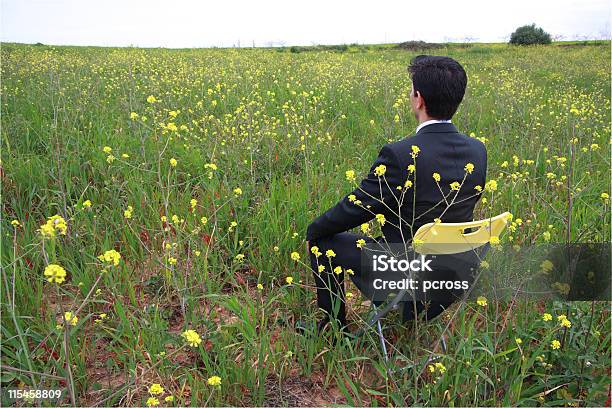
x=441, y=82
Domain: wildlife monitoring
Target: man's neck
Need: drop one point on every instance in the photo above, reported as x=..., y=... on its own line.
x=428, y=122
x=424, y=118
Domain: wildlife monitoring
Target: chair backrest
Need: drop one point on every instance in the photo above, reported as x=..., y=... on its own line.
x=452, y=238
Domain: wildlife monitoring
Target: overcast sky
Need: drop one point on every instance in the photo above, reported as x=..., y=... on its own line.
x=192, y=23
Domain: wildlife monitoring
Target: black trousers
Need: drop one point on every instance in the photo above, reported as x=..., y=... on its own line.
x=330, y=285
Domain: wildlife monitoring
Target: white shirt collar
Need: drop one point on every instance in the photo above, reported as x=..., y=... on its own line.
x=429, y=122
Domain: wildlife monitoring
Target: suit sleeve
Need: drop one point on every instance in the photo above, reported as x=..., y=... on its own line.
x=374, y=193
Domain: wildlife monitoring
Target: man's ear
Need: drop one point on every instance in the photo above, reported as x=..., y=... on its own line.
x=419, y=99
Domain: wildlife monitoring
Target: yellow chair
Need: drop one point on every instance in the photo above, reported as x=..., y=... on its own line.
x=452, y=238
x=444, y=239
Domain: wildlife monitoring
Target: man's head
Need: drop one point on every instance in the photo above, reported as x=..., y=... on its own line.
x=438, y=86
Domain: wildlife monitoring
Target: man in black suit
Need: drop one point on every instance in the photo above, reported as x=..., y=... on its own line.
x=436, y=174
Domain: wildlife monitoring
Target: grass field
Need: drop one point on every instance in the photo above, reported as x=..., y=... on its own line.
x=203, y=168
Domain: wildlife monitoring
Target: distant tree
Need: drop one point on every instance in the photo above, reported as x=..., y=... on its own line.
x=530, y=34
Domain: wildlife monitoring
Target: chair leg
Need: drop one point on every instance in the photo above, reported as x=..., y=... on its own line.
x=382, y=340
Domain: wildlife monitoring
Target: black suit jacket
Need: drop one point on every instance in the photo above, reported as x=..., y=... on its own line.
x=443, y=150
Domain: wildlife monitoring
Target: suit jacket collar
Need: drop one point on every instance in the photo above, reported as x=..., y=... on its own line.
x=438, y=128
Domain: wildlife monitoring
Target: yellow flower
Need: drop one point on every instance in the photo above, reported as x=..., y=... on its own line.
x=482, y=301
x=349, y=271
x=338, y=270
x=555, y=344
x=360, y=243
x=436, y=177
x=55, y=273
x=455, y=186
x=152, y=402
x=87, y=204
x=565, y=323
x=380, y=170
x=128, y=213
x=192, y=338
x=107, y=149
x=350, y=175
x=381, y=219
x=478, y=188
x=484, y=265
x=605, y=197
x=71, y=318
x=259, y=286
x=330, y=253
x=494, y=240
x=110, y=257
x=173, y=162
x=315, y=251
x=172, y=261
x=408, y=184
x=295, y=256
x=15, y=223
x=238, y=191
x=133, y=115
x=547, y=266
x=53, y=224
x=156, y=389
x=289, y=280
x=365, y=228
x=321, y=268
x=518, y=340
x=169, y=398
x=547, y=317
x=414, y=151
x=546, y=236
x=239, y=257
x=151, y=99
x=193, y=203
x=411, y=168
x=215, y=381
x=469, y=168
x=204, y=220
x=491, y=185
x=110, y=158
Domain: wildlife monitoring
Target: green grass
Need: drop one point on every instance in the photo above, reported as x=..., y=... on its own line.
x=283, y=127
